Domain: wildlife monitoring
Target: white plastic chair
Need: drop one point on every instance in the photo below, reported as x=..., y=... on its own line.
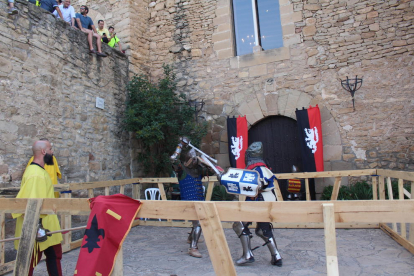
x=151, y=194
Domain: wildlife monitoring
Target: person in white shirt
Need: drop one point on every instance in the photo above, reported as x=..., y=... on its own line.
x=68, y=12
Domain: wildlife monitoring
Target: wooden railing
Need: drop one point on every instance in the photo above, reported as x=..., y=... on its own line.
x=398, y=231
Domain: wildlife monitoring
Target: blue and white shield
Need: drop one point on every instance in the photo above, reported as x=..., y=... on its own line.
x=241, y=182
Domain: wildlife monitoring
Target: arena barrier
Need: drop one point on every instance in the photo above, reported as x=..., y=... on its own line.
x=213, y=215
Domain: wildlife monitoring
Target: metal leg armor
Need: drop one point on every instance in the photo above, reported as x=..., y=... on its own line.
x=193, y=237
x=264, y=231
x=244, y=235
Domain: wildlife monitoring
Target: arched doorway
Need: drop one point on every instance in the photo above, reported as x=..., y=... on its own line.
x=279, y=135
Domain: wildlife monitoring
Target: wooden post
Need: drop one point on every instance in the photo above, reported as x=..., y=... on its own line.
x=122, y=189
x=401, y=197
x=27, y=240
x=411, y=237
x=90, y=193
x=66, y=223
x=2, y=236
x=391, y=197
x=107, y=191
x=209, y=190
x=330, y=239
x=136, y=191
x=308, y=198
x=374, y=188
x=162, y=191
x=119, y=264
x=381, y=188
x=277, y=191
x=216, y=242
x=335, y=190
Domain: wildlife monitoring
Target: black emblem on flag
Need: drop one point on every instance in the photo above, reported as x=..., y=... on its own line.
x=236, y=175
x=93, y=234
x=248, y=189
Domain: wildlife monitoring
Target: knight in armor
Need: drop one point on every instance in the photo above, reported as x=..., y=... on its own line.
x=254, y=161
x=190, y=170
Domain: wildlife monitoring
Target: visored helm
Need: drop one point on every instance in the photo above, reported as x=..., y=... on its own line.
x=254, y=152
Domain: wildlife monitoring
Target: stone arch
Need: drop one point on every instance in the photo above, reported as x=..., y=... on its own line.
x=284, y=102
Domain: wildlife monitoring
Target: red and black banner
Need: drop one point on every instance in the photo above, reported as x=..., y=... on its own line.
x=108, y=225
x=310, y=137
x=237, y=136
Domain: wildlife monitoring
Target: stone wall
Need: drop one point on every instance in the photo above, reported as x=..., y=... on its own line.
x=130, y=20
x=49, y=86
x=324, y=41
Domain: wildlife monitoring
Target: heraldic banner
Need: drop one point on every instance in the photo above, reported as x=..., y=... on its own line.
x=238, y=138
x=108, y=225
x=310, y=137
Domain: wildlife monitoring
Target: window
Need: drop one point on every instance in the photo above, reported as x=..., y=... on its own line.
x=257, y=22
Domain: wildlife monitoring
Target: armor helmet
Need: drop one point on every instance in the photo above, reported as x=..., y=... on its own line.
x=254, y=153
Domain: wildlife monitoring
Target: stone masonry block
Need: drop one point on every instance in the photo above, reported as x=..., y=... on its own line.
x=223, y=36
x=288, y=9
x=223, y=44
x=331, y=134
x=331, y=153
x=258, y=70
x=288, y=29
x=271, y=103
x=225, y=53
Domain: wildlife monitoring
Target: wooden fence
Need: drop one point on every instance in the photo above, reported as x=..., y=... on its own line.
x=297, y=214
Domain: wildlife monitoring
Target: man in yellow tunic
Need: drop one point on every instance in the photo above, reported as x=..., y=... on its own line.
x=36, y=183
x=52, y=170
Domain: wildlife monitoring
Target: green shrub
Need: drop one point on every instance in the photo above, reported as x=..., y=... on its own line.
x=159, y=115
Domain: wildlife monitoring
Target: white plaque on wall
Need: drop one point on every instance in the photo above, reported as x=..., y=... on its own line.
x=100, y=103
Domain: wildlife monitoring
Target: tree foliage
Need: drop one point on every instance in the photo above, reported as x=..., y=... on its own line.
x=159, y=115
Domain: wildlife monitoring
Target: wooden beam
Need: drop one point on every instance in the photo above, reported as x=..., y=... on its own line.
x=396, y=174
x=209, y=192
x=90, y=193
x=330, y=239
x=381, y=188
x=27, y=240
x=107, y=191
x=119, y=264
x=374, y=187
x=7, y=267
x=391, y=197
x=66, y=223
x=162, y=191
x=2, y=236
x=395, y=236
x=336, y=187
x=308, y=197
x=401, y=197
x=122, y=189
x=214, y=237
x=325, y=174
x=278, y=193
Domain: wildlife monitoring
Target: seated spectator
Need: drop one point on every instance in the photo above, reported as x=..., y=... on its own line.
x=85, y=24
x=114, y=39
x=12, y=9
x=103, y=31
x=67, y=11
x=51, y=6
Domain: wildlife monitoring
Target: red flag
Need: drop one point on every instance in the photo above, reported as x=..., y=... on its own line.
x=237, y=133
x=108, y=225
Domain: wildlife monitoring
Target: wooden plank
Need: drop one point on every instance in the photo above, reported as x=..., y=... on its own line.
x=381, y=188
x=411, y=232
x=119, y=264
x=209, y=192
x=326, y=174
x=7, y=267
x=162, y=191
x=401, y=197
x=278, y=193
x=136, y=191
x=374, y=187
x=391, y=197
x=107, y=191
x=66, y=223
x=90, y=193
x=308, y=197
x=216, y=242
x=76, y=244
x=27, y=240
x=2, y=236
x=330, y=239
x=395, y=236
x=351, y=211
x=242, y=198
x=396, y=174
x=336, y=187
x=122, y=189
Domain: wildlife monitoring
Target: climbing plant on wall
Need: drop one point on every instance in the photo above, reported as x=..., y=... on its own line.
x=158, y=115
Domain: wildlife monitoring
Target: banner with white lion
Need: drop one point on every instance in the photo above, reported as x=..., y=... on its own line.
x=310, y=137
x=237, y=138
